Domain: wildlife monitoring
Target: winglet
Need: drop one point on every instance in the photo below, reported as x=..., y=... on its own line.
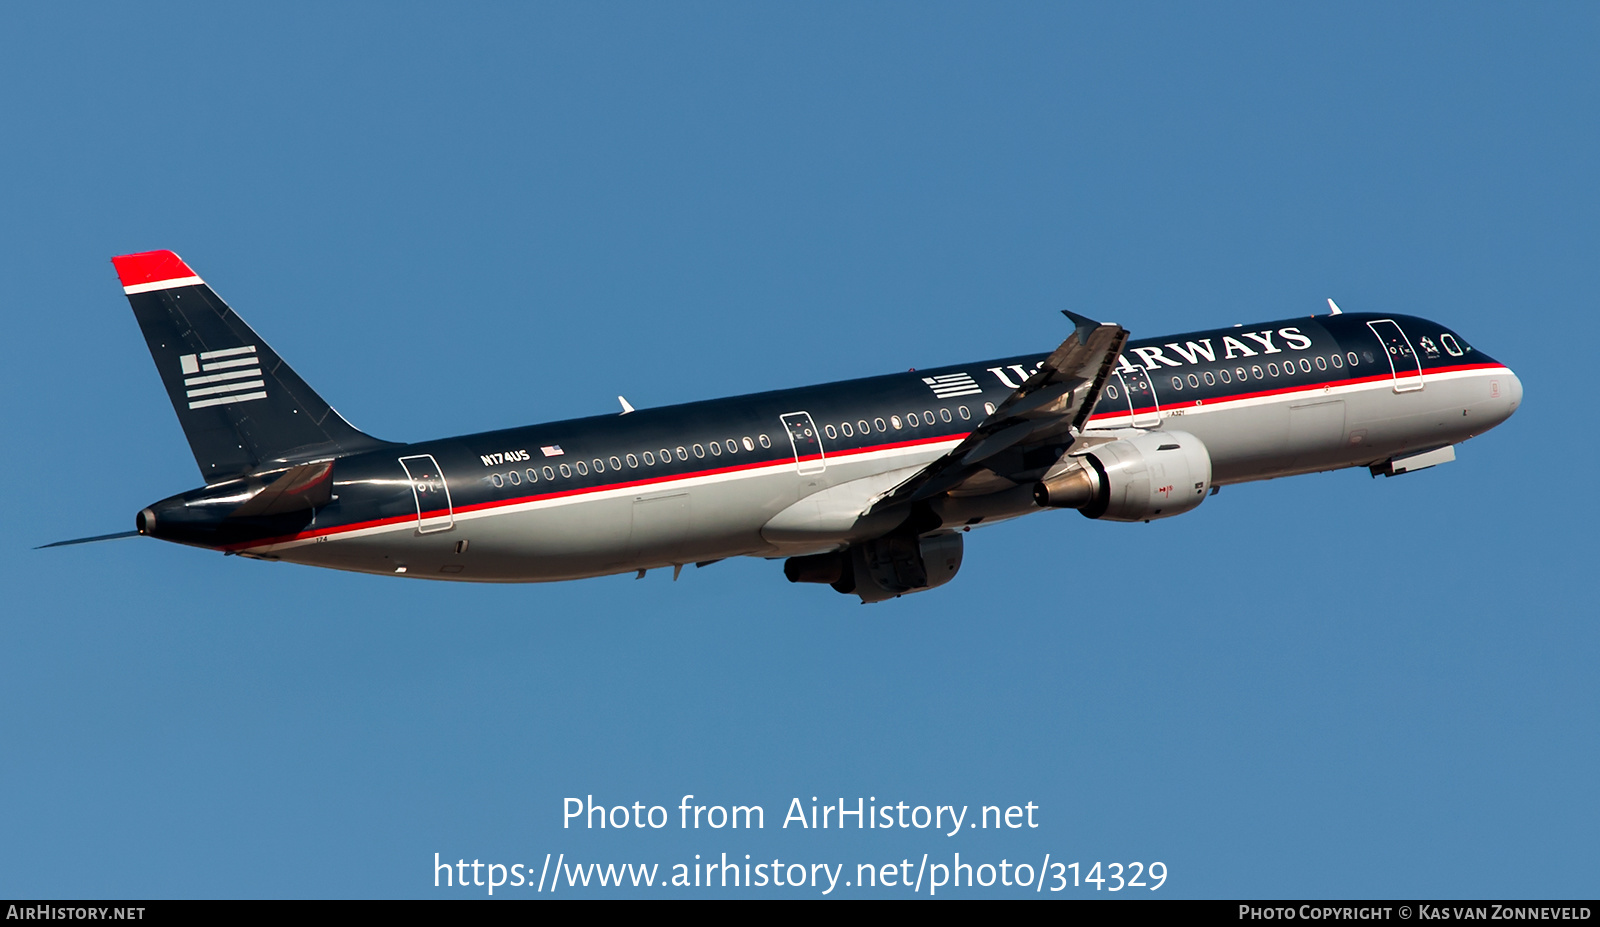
x=153, y=270
x=1085, y=325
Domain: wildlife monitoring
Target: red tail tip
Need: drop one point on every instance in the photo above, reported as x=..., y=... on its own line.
x=150, y=267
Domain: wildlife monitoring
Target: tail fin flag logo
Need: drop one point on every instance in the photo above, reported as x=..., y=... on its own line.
x=214, y=378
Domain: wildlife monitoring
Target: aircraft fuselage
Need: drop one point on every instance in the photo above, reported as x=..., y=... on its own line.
x=790, y=472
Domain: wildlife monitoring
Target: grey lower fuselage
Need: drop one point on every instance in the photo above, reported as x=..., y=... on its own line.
x=513, y=506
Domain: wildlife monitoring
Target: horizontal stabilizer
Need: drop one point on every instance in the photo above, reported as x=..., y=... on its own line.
x=308, y=486
x=98, y=537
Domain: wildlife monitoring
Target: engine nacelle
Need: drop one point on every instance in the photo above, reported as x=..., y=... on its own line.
x=883, y=568
x=1158, y=474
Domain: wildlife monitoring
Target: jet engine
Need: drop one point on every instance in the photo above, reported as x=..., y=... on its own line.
x=883, y=568
x=1158, y=474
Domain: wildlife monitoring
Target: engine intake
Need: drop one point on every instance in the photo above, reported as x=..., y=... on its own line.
x=1154, y=475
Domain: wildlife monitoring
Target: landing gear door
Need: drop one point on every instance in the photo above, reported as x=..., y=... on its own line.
x=432, y=494
x=808, y=454
x=1142, y=402
x=1403, y=360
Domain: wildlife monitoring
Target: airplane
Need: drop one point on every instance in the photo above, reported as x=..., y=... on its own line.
x=867, y=485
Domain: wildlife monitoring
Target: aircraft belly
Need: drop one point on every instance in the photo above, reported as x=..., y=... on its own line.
x=1308, y=433
x=576, y=538
x=834, y=515
x=1439, y=414
x=1243, y=442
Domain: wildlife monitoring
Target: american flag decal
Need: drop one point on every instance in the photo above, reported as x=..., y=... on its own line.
x=951, y=385
x=551, y=450
x=214, y=378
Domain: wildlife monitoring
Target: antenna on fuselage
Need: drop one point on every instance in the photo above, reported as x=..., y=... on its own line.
x=626, y=406
x=1335, y=307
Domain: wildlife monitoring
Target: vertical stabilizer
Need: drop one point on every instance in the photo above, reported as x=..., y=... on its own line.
x=241, y=407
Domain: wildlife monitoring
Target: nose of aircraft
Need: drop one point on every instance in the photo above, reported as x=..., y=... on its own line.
x=1505, y=393
x=1513, y=393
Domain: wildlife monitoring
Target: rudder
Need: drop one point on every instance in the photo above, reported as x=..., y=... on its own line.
x=241, y=407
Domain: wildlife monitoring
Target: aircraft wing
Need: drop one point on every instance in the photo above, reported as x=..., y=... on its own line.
x=1048, y=410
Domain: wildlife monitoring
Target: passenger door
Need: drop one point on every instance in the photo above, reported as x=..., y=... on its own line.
x=1142, y=402
x=1403, y=361
x=431, y=492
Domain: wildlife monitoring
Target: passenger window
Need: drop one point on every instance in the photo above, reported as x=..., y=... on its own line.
x=828, y=430
x=1338, y=360
x=632, y=461
x=716, y=449
x=944, y=415
x=896, y=422
x=733, y=448
x=616, y=464
x=927, y=416
x=1111, y=392
x=1223, y=373
x=1177, y=383
x=566, y=471
x=879, y=423
x=533, y=475
x=863, y=427
x=1351, y=357
x=1255, y=371
x=988, y=408
x=1239, y=372
x=845, y=427
x=1194, y=381
x=582, y=470
x=699, y=452
x=666, y=456
x=1321, y=363
x=1305, y=365
x=683, y=453
x=549, y=474
x=912, y=420
x=599, y=465
x=1451, y=346
x=649, y=459
x=964, y=413
x=514, y=478
x=497, y=480
x=765, y=441
x=1272, y=369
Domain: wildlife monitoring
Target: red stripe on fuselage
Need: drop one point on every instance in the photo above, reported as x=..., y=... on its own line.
x=785, y=462
x=1284, y=390
x=586, y=490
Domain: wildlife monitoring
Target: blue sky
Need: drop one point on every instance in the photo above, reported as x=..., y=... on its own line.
x=450, y=222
